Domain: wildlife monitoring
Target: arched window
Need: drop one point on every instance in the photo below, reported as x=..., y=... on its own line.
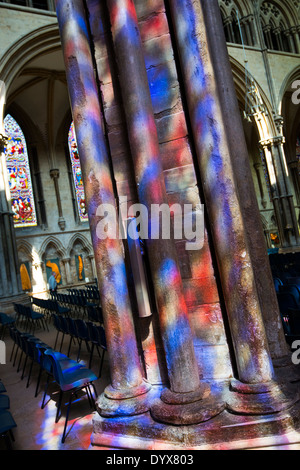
x=278, y=34
x=19, y=178
x=76, y=170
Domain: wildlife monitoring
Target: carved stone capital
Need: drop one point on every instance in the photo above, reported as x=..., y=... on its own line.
x=54, y=173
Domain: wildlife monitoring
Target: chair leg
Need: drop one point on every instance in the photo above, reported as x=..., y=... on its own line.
x=15, y=358
x=45, y=393
x=66, y=421
x=79, y=350
x=19, y=365
x=91, y=355
x=62, y=340
x=91, y=400
x=12, y=352
x=58, y=406
x=29, y=374
x=88, y=393
x=7, y=441
x=69, y=348
x=38, y=382
x=56, y=339
x=24, y=367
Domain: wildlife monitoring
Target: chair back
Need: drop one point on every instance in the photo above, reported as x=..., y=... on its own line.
x=82, y=331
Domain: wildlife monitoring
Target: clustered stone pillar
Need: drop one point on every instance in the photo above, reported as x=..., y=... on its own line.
x=185, y=401
x=128, y=392
x=254, y=390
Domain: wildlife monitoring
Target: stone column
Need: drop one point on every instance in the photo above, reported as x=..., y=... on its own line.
x=66, y=262
x=277, y=147
x=295, y=32
x=93, y=267
x=257, y=167
x=275, y=194
x=184, y=402
x=246, y=191
x=128, y=392
x=10, y=279
x=54, y=174
x=254, y=391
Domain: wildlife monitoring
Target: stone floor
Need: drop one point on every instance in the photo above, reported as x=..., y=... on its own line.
x=36, y=428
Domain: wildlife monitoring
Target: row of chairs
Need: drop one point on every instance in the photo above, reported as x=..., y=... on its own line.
x=81, y=331
x=91, y=292
x=77, y=303
x=288, y=296
x=69, y=375
x=7, y=422
x=29, y=316
x=48, y=306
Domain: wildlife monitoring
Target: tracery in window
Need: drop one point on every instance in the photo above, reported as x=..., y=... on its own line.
x=77, y=175
x=238, y=27
x=19, y=178
x=278, y=33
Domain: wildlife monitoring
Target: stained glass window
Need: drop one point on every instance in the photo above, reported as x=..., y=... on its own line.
x=23, y=208
x=76, y=169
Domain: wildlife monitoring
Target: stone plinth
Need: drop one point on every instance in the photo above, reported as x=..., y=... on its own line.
x=227, y=431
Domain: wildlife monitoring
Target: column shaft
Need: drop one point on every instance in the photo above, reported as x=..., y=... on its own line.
x=125, y=368
x=219, y=185
x=245, y=186
x=176, y=334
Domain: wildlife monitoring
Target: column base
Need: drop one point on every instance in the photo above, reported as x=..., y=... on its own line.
x=125, y=402
x=226, y=431
x=187, y=408
x=260, y=399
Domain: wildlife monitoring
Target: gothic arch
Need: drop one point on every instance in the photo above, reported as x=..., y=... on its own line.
x=34, y=44
x=27, y=248
x=54, y=242
x=244, y=7
x=288, y=81
x=288, y=12
x=31, y=131
x=78, y=237
x=267, y=128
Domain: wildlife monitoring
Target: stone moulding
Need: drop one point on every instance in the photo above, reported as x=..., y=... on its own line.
x=227, y=431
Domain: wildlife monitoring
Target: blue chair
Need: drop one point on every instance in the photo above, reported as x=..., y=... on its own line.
x=29, y=345
x=294, y=321
x=82, y=334
x=57, y=326
x=2, y=388
x=98, y=339
x=291, y=289
x=21, y=339
x=277, y=283
x=46, y=366
x=286, y=301
x=95, y=314
x=72, y=332
x=71, y=380
x=5, y=321
x=4, y=402
x=7, y=424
